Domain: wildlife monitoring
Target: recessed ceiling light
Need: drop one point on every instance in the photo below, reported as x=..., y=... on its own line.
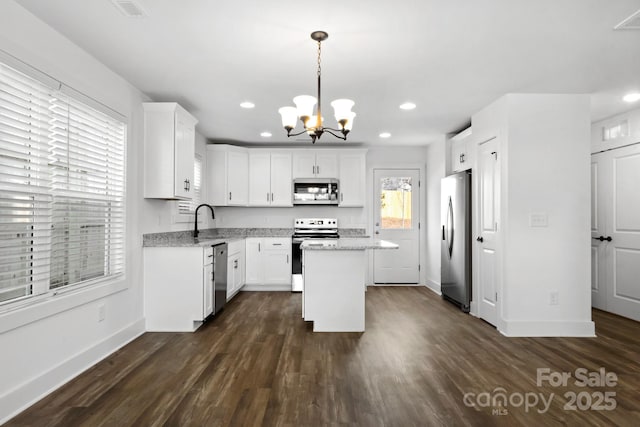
x=385, y=135
x=632, y=97
x=247, y=105
x=407, y=106
x=266, y=134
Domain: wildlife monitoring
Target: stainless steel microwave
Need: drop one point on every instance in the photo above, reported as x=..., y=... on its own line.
x=315, y=191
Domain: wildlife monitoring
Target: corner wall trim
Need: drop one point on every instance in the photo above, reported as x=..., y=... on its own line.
x=15, y=401
x=434, y=286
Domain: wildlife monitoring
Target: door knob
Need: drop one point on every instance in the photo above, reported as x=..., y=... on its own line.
x=480, y=239
x=608, y=239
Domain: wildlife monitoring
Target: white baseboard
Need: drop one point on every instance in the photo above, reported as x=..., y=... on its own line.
x=15, y=401
x=434, y=286
x=259, y=288
x=552, y=328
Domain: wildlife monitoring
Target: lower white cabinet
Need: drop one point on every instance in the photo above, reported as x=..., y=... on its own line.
x=268, y=263
x=178, y=288
x=235, y=267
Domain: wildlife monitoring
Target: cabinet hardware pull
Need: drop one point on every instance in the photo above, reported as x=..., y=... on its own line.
x=318, y=170
x=267, y=197
x=277, y=244
x=229, y=195
x=258, y=247
x=287, y=258
x=461, y=158
x=272, y=197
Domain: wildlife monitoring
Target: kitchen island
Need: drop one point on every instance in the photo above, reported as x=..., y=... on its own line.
x=333, y=295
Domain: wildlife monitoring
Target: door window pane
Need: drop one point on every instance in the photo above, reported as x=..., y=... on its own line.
x=395, y=203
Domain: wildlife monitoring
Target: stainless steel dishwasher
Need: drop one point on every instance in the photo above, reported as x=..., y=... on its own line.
x=219, y=276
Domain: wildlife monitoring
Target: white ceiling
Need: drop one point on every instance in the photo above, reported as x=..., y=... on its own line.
x=450, y=57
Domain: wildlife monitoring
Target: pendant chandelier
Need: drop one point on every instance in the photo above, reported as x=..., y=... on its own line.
x=313, y=124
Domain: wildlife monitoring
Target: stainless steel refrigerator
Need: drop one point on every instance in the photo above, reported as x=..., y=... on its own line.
x=456, y=239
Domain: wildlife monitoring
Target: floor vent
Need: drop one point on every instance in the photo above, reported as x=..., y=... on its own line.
x=130, y=8
x=630, y=23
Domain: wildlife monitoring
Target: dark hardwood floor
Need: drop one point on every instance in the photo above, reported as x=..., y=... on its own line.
x=258, y=364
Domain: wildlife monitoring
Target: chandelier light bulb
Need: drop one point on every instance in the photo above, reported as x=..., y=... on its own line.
x=305, y=104
x=289, y=117
x=349, y=124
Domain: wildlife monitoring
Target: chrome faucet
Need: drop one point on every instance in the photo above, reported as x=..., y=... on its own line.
x=195, y=229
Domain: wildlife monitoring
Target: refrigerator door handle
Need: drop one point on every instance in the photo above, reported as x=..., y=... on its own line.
x=450, y=226
x=443, y=237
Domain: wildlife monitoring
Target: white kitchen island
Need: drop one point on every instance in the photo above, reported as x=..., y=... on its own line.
x=333, y=295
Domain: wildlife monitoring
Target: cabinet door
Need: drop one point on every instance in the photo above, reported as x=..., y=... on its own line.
x=253, y=267
x=326, y=165
x=238, y=178
x=207, y=289
x=277, y=267
x=281, y=181
x=259, y=178
x=352, y=180
x=304, y=164
x=459, y=160
x=231, y=272
x=238, y=268
x=184, y=154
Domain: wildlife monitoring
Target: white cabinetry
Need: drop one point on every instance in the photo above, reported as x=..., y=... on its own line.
x=315, y=164
x=270, y=178
x=227, y=175
x=461, y=151
x=178, y=288
x=169, y=150
x=268, y=263
x=235, y=267
x=352, y=178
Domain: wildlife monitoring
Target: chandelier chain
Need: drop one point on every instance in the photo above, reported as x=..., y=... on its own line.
x=319, y=52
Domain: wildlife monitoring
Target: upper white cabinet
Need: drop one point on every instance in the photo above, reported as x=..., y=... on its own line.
x=270, y=178
x=227, y=175
x=352, y=178
x=461, y=151
x=315, y=164
x=169, y=150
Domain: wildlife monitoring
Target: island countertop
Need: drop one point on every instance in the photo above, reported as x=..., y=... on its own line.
x=346, y=244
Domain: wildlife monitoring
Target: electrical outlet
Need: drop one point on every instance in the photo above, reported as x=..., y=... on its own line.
x=102, y=312
x=553, y=298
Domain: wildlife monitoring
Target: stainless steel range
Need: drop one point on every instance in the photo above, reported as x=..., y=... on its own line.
x=303, y=229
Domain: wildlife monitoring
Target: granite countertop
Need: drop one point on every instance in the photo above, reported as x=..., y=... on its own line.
x=347, y=244
x=213, y=236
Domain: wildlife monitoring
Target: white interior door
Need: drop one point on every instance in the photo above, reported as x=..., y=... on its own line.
x=488, y=182
x=396, y=219
x=600, y=199
x=620, y=179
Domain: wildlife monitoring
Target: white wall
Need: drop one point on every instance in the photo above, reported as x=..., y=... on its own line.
x=435, y=172
x=544, y=147
x=56, y=345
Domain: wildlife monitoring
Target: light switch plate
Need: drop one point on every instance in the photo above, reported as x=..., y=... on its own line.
x=538, y=220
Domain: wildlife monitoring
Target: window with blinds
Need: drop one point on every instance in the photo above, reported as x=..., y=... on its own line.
x=62, y=190
x=189, y=206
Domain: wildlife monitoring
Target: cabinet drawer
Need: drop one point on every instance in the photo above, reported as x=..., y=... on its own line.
x=277, y=244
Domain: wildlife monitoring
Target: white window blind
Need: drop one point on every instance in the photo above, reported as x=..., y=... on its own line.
x=25, y=196
x=62, y=192
x=189, y=206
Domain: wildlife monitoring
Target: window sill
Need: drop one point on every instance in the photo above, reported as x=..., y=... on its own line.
x=48, y=305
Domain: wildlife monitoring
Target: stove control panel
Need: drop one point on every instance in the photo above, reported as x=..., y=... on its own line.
x=316, y=223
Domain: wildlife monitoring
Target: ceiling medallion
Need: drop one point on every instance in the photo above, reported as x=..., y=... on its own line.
x=313, y=124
